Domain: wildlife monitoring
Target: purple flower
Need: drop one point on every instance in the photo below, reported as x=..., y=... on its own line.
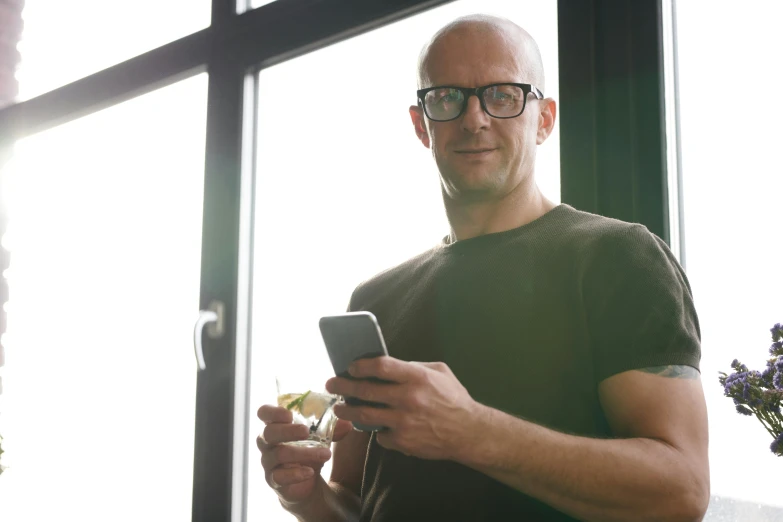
x=735, y=364
x=776, y=348
x=743, y=410
x=777, y=445
x=777, y=381
x=755, y=403
x=735, y=382
x=768, y=374
x=774, y=408
x=777, y=332
x=779, y=364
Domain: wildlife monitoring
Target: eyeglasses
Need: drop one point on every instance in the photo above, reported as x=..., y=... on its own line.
x=499, y=100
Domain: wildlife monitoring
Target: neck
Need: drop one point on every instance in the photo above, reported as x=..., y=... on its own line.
x=479, y=217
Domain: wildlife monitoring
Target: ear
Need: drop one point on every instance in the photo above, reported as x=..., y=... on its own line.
x=546, y=119
x=417, y=118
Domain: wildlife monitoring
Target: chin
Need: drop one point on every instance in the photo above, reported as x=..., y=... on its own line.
x=483, y=180
x=473, y=190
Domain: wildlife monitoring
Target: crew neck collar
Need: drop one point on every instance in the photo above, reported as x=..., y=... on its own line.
x=500, y=236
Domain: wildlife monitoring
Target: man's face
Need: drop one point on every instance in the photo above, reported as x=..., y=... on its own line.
x=480, y=157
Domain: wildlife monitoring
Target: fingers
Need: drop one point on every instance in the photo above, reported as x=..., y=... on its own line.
x=274, y=434
x=284, y=464
x=285, y=456
x=279, y=427
x=269, y=414
x=386, y=368
x=284, y=477
x=367, y=415
x=362, y=389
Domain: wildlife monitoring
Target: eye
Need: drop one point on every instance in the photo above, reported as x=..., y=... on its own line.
x=445, y=95
x=503, y=95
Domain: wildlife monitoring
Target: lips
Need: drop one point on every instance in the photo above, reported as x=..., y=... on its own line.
x=473, y=151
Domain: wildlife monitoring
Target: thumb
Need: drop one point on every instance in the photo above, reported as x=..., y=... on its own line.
x=341, y=429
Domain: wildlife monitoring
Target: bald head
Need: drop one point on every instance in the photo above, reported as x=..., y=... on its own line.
x=515, y=41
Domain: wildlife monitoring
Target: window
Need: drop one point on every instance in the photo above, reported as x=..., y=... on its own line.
x=731, y=184
x=65, y=41
x=351, y=195
x=100, y=379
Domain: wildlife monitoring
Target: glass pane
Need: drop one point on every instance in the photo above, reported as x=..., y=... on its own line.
x=731, y=189
x=65, y=41
x=99, y=384
x=359, y=208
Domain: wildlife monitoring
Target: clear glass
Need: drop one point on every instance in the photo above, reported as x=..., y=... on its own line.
x=341, y=197
x=99, y=382
x=65, y=41
x=309, y=403
x=732, y=226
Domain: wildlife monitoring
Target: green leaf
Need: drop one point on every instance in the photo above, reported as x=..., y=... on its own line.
x=298, y=401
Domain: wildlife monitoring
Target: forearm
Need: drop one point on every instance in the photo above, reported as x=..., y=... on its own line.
x=330, y=502
x=590, y=479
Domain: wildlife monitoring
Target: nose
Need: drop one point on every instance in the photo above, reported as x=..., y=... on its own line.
x=474, y=119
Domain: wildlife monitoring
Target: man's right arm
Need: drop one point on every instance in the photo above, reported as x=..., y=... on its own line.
x=339, y=500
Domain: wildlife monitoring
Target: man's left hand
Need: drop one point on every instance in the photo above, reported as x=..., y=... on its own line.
x=430, y=415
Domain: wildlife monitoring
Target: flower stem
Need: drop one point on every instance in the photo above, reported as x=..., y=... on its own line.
x=773, y=420
x=760, y=416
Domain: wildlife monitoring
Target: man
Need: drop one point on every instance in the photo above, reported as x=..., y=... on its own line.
x=561, y=378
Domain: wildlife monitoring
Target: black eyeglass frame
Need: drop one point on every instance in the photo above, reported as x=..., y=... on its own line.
x=467, y=92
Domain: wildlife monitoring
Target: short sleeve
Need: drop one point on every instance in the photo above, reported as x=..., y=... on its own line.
x=639, y=305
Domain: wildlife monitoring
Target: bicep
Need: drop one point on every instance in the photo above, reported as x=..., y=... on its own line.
x=348, y=457
x=663, y=403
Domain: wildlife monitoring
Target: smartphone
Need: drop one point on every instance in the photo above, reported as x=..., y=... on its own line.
x=349, y=337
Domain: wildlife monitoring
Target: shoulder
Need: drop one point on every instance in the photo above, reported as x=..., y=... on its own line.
x=596, y=234
x=381, y=285
x=601, y=243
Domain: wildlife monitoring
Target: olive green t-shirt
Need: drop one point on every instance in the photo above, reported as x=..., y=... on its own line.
x=530, y=321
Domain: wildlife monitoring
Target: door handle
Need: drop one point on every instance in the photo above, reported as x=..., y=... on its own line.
x=213, y=319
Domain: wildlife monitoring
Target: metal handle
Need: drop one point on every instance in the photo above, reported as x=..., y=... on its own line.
x=214, y=318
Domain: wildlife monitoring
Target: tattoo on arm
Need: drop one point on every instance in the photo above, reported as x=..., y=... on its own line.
x=673, y=371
